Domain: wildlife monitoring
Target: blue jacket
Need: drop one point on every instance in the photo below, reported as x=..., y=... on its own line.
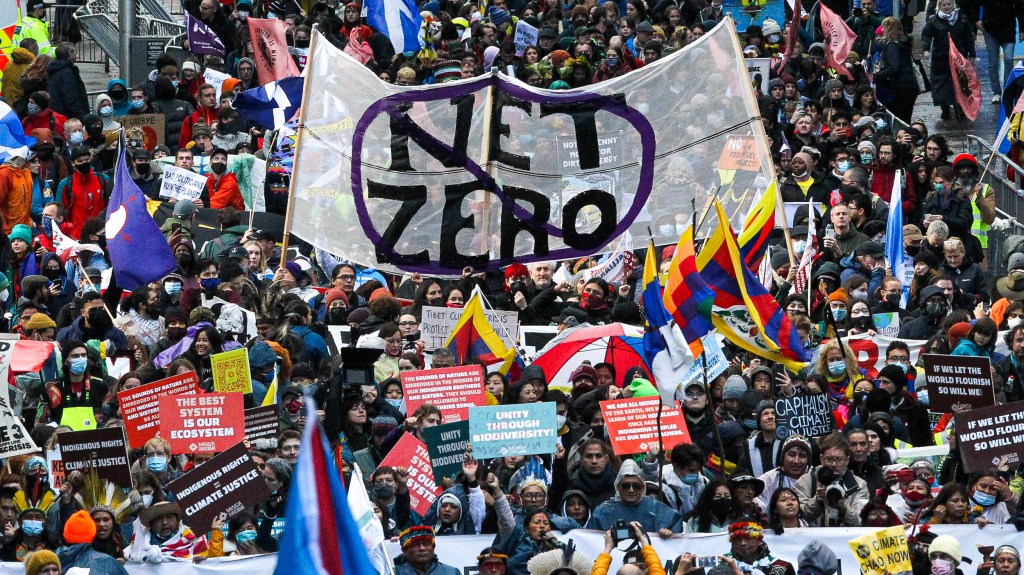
x=316, y=348
x=84, y=556
x=652, y=515
x=402, y=567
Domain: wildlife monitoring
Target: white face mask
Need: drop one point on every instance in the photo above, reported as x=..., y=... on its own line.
x=147, y=500
x=1012, y=322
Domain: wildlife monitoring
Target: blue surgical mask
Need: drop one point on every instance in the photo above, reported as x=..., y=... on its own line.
x=90, y=288
x=799, y=247
x=77, y=138
x=666, y=229
x=836, y=367
x=137, y=104
x=691, y=478
x=612, y=62
x=880, y=124
x=984, y=499
x=839, y=314
x=172, y=288
x=77, y=365
x=939, y=188
x=156, y=464
x=901, y=365
x=867, y=158
x=209, y=284
x=750, y=424
x=31, y=527
x=843, y=165
x=396, y=403
x=32, y=108
x=245, y=536
x=106, y=111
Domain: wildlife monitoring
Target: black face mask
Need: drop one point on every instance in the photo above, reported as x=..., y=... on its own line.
x=892, y=298
x=51, y=274
x=337, y=316
x=302, y=44
x=174, y=334
x=82, y=168
x=94, y=131
x=117, y=95
x=98, y=318
x=142, y=169
x=218, y=167
x=862, y=322
x=183, y=260
x=935, y=310
x=721, y=506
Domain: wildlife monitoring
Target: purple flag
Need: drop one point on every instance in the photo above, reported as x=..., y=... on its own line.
x=202, y=40
x=139, y=253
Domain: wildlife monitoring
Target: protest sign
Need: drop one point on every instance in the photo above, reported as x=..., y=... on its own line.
x=715, y=358
x=56, y=466
x=453, y=390
x=506, y=430
x=533, y=338
x=740, y=153
x=181, y=184
x=609, y=152
x=957, y=382
x=140, y=407
x=633, y=424
x=215, y=79
x=887, y=324
x=526, y=35
x=617, y=267
x=411, y=454
x=447, y=447
x=105, y=450
x=262, y=422
x=231, y=371
x=437, y=323
x=228, y=483
x=988, y=433
x=14, y=438
x=759, y=71
x=152, y=126
x=806, y=415
x=205, y=422
x=883, y=552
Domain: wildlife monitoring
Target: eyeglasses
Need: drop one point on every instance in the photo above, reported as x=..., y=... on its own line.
x=346, y=277
x=833, y=460
x=408, y=323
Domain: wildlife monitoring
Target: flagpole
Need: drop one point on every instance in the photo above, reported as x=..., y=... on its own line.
x=707, y=406
x=485, y=161
x=487, y=304
x=290, y=210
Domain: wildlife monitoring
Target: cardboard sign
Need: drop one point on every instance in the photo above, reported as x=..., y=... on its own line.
x=806, y=415
x=526, y=35
x=633, y=424
x=262, y=422
x=204, y=422
x=883, y=552
x=152, y=126
x=215, y=79
x=14, y=438
x=437, y=324
x=887, y=324
x=140, y=407
x=181, y=184
x=410, y=453
x=105, y=450
x=506, y=430
x=228, y=483
x=958, y=382
x=988, y=433
x=231, y=371
x=446, y=445
x=740, y=153
x=453, y=390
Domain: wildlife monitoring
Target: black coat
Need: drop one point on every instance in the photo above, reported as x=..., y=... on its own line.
x=956, y=214
x=896, y=70
x=66, y=89
x=999, y=17
x=934, y=39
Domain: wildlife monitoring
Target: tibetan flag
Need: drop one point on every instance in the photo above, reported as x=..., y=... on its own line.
x=757, y=228
x=744, y=312
x=966, y=86
x=270, y=47
x=687, y=298
x=838, y=40
x=665, y=348
x=473, y=340
x=320, y=536
x=132, y=232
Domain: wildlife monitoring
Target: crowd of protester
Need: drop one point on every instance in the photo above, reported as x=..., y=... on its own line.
x=833, y=141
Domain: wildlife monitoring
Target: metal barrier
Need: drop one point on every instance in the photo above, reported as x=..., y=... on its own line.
x=1009, y=199
x=98, y=19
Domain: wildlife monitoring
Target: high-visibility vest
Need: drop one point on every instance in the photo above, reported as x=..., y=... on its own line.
x=979, y=228
x=36, y=29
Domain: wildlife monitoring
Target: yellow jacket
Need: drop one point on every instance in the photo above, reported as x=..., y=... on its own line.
x=654, y=566
x=10, y=89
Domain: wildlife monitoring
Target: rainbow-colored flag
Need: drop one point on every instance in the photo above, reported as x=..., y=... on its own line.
x=687, y=298
x=757, y=228
x=473, y=340
x=744, y=312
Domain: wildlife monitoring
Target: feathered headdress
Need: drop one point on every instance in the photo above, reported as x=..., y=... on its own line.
x=97, y=493
x=565, y=559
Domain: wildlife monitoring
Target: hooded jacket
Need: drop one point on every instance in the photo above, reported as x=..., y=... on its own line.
x=82, y=555
x=109, y=125
x=15, y=196
x=175, y=111
x=66, y=89
x=11, y=88
x=120, y=108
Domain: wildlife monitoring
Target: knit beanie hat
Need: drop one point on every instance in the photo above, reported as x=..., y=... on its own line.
x=894, y=374
x=260, y=355
x=21, y=232
x=34, y=562
x=946, y=544
x=417, y=533
x=40, y=320
x=446, y=71
x=80, y=528
x=734, y=387
x=201, y=128
x=958, y=332
x=334, y=294
x=818, y=558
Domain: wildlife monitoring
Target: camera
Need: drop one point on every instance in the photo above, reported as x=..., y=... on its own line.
x=621, y=531
x=517, y=286
x=834, y=492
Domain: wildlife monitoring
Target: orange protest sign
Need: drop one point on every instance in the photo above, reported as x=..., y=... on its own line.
x=740, y=153
x=633, y=424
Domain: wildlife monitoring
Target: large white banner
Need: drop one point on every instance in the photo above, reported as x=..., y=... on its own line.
x=470, y=173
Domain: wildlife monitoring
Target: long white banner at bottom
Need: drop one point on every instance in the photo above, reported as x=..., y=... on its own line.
x=461, y=550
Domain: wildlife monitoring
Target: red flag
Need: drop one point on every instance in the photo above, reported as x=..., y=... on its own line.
x=838, y=40
x=793, y=34
x=273, y=62
x=966, y=85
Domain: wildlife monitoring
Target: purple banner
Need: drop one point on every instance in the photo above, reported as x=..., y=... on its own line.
x=201, y=39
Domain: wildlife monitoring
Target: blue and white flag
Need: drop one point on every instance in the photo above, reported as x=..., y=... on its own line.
x=665, y=348
x=894, y=249
x=13, y=141
x=399, y=20
x=1011, y=92
x=271, y=105
x=132, y=232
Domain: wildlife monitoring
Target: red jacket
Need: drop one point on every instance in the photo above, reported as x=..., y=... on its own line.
x=84, y=197
x=225, y=192
x=881, y=185
x=42, y=120
x=208, y=115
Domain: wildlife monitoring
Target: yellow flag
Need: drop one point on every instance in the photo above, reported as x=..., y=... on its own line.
x=271, y=398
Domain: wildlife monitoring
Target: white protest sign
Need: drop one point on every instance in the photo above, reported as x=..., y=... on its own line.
x=215, y=79
x=759, y=70
x=714, y=357
x=180, y=184
x=14, y=438
x=526, y=35
x=437, y=324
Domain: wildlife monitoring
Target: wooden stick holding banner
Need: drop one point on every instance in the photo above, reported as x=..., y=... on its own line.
x=94, y=286
x=785, y=225
x=485, y=161
x=290, y=210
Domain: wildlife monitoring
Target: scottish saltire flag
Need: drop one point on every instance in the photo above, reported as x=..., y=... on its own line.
x=320, y=535
x=757, y=228
x=139, y=252
x=399, y=20
x=473, y=340
x=894, y=237
x=744, y=312
x=271, y=105
x=687, y=298
x=665, y=348
x=1011, y=94
x=13, y=141
x=201, y=39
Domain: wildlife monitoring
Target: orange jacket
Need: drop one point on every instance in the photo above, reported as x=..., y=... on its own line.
x=15, y=196
x=225, y=192
x=654, y=566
